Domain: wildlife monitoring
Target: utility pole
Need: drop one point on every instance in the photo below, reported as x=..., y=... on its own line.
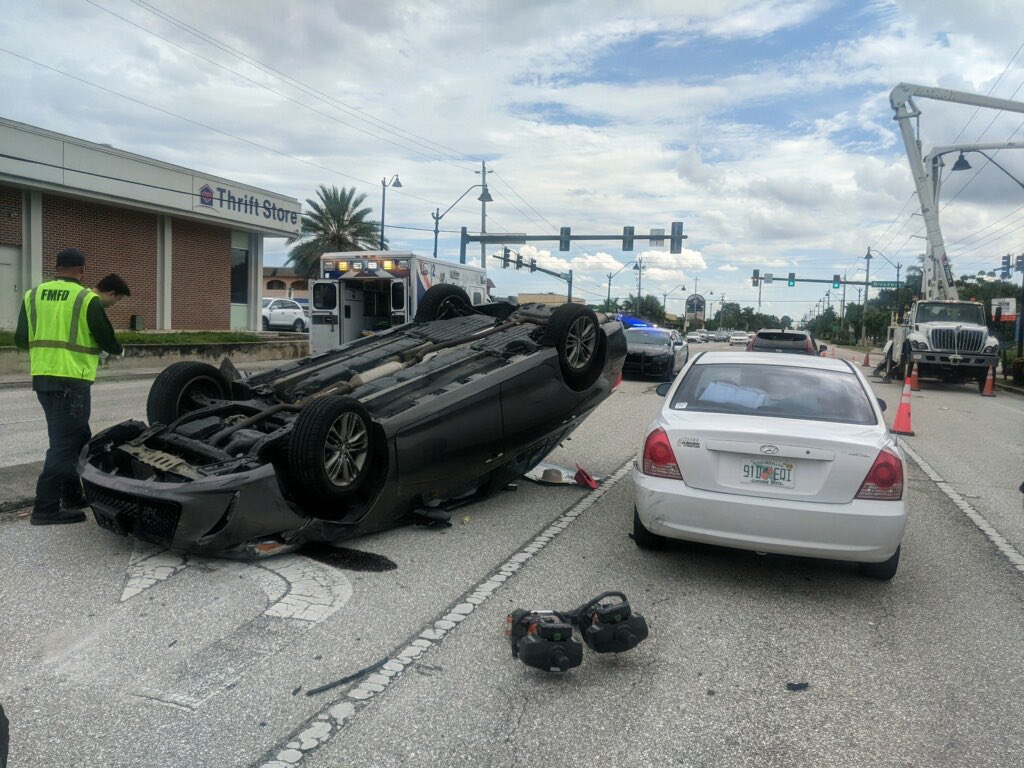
x=867, y=284
x=842, y=307
x=483, y=216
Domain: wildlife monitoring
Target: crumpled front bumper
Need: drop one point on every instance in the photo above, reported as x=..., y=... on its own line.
x=227, y=516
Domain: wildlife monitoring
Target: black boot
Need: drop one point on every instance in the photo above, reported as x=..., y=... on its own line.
x=60, y=517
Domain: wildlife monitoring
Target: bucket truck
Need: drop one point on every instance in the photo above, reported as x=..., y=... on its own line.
x=943, y=337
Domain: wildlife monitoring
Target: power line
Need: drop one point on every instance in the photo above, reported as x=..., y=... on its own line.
x=208, y=127
x=295, y=82
x=267, y=87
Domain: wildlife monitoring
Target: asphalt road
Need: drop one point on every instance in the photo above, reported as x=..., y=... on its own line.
x=116, y=655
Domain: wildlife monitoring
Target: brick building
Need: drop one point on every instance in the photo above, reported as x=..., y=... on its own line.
x=189, y=245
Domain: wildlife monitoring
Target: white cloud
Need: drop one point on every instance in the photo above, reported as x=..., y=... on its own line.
x=728, y=268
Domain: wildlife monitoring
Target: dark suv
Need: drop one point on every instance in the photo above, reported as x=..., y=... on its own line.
x=798, y=342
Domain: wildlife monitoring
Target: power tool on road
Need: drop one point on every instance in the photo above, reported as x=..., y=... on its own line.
x=545, y=639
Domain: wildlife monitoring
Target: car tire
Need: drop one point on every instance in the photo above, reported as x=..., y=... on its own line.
x=330, y=451
x=884, y=570
x=644, y=538
x=443, y=302
x=266, y=324
x=298, y=326
x=181, y=388
x=575, y=332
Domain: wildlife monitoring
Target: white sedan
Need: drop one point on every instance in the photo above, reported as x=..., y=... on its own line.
x=778, y=456
x=738, y=337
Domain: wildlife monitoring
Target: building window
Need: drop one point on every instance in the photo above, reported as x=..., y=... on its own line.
x=299, y=285
x=276, y=285
x=240, y=276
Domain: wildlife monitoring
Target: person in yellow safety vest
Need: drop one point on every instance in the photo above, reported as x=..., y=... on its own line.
x=64, y=327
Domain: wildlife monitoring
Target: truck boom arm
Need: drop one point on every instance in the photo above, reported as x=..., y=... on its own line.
x=938, y=276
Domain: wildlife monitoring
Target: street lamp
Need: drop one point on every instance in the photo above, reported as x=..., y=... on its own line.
x=384, y=184
x=638, y=265
x=961, y=164
x=485, y=197
x=611, y=275
x=899, y=266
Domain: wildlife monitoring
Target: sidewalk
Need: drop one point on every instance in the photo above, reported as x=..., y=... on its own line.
x=108, y=375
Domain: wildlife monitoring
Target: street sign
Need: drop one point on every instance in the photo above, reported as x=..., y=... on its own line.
x=657, y=238
x=768, y=277
x=884, y=284
x=695, y=307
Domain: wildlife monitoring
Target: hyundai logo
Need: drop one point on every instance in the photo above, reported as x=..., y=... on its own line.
x=769, y=450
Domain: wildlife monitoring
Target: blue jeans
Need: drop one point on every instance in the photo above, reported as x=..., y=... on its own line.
x=67, y=423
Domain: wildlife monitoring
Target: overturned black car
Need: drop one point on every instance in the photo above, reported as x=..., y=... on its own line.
x=387, y=429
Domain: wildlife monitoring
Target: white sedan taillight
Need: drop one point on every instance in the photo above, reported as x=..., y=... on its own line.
x=659, y=460
x=885, y=480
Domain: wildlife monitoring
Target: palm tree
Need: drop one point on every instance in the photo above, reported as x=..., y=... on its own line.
x=611, y=306
x=335, y=222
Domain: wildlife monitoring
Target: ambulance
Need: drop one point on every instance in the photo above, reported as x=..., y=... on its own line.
x=358, y=293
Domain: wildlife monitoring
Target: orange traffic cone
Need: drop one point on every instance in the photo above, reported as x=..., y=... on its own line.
x=990, y=383
x=912, y=379
x=901, y=426
x=867, y=359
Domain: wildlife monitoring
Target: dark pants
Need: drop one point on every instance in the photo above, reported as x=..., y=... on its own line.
x=67, y=423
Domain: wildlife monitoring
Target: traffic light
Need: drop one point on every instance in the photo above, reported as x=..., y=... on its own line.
x=1020, y=262
x=676, y=237
x=563, y=238
x=533, y=265
x=506, y=257
x=519, y=260
x=1005, y=269
x=836, y=279
x=755, y=277
x=792, y=279
x=627, y=238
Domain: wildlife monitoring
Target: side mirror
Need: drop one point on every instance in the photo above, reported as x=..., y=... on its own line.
x=822, y=347
x=881, y=404
x=663, y=388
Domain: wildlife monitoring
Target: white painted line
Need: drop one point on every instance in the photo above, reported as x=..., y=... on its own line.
x=1005, y=547
x=291, y=751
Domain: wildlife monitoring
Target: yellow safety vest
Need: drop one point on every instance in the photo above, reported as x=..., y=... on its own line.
x=59, y=339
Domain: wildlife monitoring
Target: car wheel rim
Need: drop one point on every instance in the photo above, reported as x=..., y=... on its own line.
x=580, y=343
x=346, y=449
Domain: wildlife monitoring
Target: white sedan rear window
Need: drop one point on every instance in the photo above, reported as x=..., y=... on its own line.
x=782, y=391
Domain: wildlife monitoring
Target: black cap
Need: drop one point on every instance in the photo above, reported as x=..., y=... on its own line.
x=70, y=257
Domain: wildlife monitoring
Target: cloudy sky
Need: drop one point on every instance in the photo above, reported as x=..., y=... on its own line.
x=764, y=125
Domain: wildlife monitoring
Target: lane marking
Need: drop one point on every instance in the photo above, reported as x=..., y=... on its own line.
x=317, y=730
x=997, y=539
x=301, y=593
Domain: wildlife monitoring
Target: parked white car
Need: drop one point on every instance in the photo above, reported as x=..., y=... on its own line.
x=694, y=338
x=284, y=313
x=738, y=337
x=790, y=456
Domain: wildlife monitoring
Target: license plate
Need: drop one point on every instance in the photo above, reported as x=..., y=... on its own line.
x=767, y=472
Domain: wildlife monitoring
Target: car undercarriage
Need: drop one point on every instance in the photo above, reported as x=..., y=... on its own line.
x=388, y=427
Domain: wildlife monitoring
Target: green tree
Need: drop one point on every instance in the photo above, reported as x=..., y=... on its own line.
x=609, y=305
x=786, y=322
x=648, y=308
x=333, y=222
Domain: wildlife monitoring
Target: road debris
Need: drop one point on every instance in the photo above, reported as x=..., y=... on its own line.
x=797, y=686
x=348, y=678
x=546, y=473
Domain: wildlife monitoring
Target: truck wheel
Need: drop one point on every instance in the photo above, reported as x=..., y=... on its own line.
x=330, y=452
x=184, y=387
x=443, y=302
x=575, y=332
